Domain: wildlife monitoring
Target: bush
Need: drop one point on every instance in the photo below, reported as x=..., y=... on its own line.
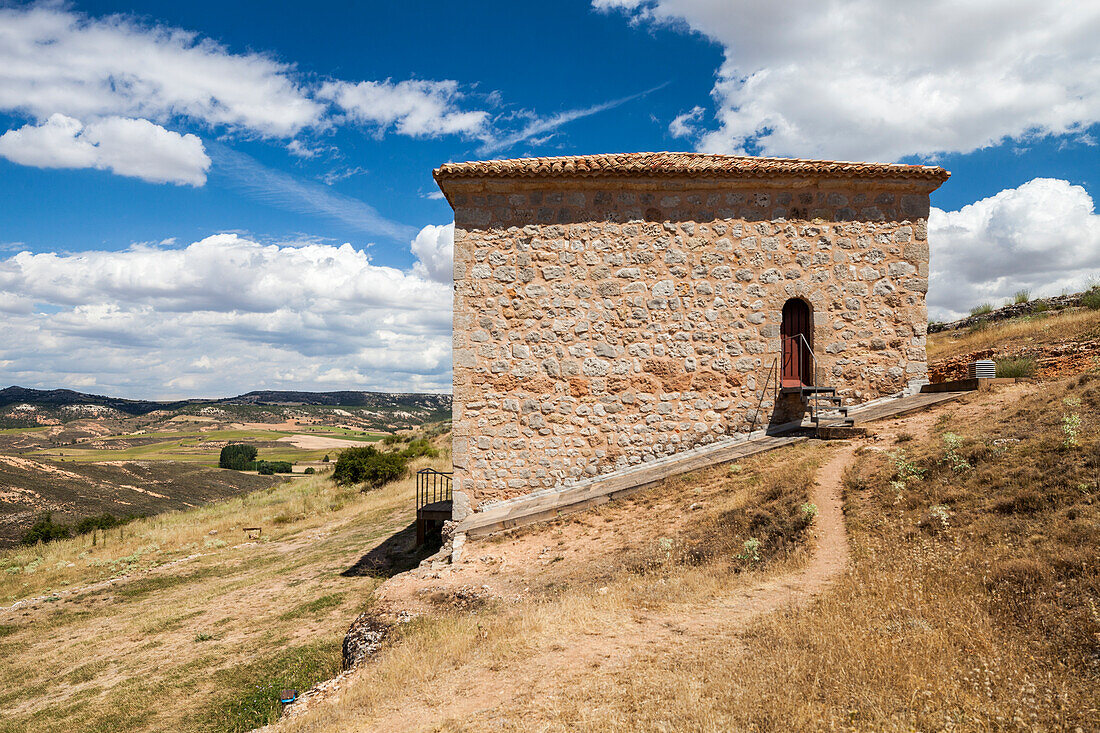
x=45, y=529
x=268, y=468
x=419, y=447
x=1023, y=296
x=102, y=521
x=310, y=470
x=367, y=465
x=1022, y=367
x=325, y=459
x=237, y=456
x=981, y=309
x=1091, y=299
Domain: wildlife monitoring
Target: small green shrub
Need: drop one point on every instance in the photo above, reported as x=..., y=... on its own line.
x=1022, y=367
x=237, y=456
x=310, y=470
x=952, y=443
x=1071, y=424
x=367, y=465
x=1022, y=296
x=45, y=529
x=1040, y=306
x=1091, y=299
x=325, y=459
x=982, y=309
x=419, y=447
x=265, y=469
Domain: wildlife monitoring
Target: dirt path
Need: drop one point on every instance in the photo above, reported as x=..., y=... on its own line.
x=830, y=556
x=478, y=692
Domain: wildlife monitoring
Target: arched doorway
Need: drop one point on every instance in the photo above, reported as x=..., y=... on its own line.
x=796, y=335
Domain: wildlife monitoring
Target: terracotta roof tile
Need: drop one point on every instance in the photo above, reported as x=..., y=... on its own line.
x=699, y=165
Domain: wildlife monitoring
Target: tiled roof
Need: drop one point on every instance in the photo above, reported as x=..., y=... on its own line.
x=696, y=165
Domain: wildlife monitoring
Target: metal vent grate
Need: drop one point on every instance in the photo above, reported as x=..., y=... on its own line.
x=983, y=369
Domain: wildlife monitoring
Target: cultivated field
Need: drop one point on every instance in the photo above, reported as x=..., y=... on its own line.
x=147, y=464
x=70, y=491
x=203, y=446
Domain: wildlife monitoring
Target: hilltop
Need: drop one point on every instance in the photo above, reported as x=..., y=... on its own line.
x=77, y=455
x=937, y=574
x=407, y=406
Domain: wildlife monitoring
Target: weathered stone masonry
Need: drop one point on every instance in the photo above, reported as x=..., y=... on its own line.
x=613, y=309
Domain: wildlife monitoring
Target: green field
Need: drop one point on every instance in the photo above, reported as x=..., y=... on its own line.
x=203, y=447
x=18, y=431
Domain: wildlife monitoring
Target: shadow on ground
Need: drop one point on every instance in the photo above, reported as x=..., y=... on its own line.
x=396, y=554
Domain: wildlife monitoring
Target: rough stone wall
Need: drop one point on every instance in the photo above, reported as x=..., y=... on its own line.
x=598, y=324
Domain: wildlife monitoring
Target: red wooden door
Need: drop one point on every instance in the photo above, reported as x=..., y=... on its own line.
x=795, y=333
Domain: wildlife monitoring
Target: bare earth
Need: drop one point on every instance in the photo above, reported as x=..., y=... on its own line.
x=315, y=442
x=501, y=569
x=513, y=566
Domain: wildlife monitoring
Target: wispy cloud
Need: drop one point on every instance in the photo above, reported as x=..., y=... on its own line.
x=549, y=124
x=281, y=190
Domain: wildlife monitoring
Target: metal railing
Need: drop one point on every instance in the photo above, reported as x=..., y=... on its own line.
x=432, y=486
x=800, y=342
x=813, y=401
x=764, y=393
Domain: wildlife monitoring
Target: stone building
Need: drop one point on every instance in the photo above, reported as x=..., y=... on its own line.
x=614, y=309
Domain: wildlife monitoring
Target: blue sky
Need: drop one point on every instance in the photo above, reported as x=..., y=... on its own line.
x=236, y=196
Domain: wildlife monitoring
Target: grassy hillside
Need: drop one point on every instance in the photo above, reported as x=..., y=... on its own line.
x=181, y=622
x=203, y=445
x=1018, y=334
x=21, y=407
x=970, y=603
x=75, y=490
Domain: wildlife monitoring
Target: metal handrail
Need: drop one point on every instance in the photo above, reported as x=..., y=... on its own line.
x=433, y=486
x=815, y=407
x=763, y=392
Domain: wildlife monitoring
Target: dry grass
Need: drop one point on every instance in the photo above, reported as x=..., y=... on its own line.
x=972, y=604
x=578, y=620
x=1038, y=328
x=199, y=644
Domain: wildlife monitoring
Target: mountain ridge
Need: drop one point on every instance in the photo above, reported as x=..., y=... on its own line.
x=342, y=398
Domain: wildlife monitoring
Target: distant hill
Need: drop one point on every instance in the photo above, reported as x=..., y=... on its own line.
x=72, y=491
x=340, y=399
x=61, y=397
x=411, y=402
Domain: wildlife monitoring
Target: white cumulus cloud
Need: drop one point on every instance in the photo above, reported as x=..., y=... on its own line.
x=53, y=60
x=881, y=80
x=223, y=315
x=135, y=148
x=1043, y=236
x=414, y=107
x=684, y=125
x=434, y=250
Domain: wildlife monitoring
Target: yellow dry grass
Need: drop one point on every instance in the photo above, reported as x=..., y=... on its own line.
x=200, y=614
x=571, y=629
x=971, y=605
x=1036, y=329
